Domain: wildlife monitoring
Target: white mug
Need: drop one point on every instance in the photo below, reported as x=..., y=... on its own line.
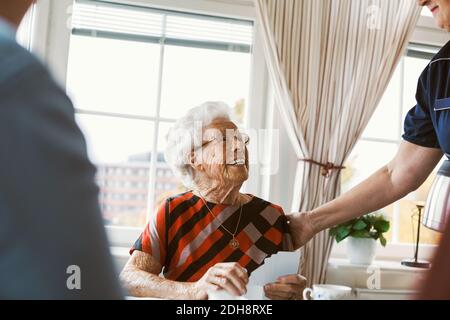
x=327, y=292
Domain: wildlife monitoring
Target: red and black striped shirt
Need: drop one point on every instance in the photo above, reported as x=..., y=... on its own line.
x=187, y=239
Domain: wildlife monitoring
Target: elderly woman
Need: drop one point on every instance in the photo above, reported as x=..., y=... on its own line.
x=213, y=237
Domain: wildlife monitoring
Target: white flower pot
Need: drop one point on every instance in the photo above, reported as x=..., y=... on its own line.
x=361, y=251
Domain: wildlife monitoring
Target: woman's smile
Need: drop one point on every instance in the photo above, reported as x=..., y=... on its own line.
x=434, y=9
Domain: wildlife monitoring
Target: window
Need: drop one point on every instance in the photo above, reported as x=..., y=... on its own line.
x=25, y=32
x=132, y=71
x=380, y=141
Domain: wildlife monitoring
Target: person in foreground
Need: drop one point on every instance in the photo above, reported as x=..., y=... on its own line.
x=213, y=237
x=52, y=241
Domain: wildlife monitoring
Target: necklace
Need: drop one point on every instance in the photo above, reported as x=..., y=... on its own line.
x=234, y=243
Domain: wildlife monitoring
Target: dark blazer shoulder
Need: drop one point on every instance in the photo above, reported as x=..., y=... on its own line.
x=15, y=60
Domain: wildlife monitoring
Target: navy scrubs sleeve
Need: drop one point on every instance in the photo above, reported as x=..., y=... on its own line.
x=418, y=126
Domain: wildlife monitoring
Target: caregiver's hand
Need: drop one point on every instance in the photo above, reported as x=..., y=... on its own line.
x=301, y=228
x=286, y=288
x=227, y=276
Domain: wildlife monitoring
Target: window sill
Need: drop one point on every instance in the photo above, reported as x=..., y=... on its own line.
x=120, y=252
x=392, y=252
x=393, y=277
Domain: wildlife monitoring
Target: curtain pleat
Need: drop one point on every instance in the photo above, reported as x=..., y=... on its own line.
x=330, y=62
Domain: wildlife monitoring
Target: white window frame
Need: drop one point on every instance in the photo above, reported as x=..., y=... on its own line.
x=53, y=45
x=51, y=42
x=396, y=216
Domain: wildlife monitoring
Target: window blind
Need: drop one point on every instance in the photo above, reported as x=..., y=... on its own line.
x=138, y=23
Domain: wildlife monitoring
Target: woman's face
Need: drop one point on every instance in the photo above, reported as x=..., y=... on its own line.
x=223, y=156
x=440, y=10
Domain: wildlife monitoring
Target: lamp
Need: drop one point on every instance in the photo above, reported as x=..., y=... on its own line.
x=437, y=208
x=415, y=262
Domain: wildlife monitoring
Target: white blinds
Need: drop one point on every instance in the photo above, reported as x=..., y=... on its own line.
x=101, y=18
x=193, y=28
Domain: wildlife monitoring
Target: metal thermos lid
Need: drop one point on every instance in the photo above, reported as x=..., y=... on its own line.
x=444, y=170
x=437, y=208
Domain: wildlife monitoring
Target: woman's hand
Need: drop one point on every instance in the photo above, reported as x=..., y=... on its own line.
x=286, y=288
x=301, y=228
x=223, y=276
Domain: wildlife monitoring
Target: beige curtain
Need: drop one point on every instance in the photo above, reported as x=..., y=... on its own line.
x=330, y=62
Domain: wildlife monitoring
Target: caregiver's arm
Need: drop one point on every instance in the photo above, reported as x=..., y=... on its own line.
x=404, y=174
x=141, y=278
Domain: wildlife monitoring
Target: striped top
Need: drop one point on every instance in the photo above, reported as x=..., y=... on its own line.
x=187, y=240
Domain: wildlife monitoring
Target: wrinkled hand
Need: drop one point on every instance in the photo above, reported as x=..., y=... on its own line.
x=301, y=228
x=286, y=288
x=230, y=277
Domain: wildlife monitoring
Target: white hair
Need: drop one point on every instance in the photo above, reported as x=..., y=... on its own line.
x=186, y=133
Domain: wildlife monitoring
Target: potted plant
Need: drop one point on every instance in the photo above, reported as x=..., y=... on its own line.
x=362, y=234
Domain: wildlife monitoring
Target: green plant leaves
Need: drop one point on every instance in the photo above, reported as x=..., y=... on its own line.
x=359, y=225
x=342, y=233
x=382, y=225
x=383, y=240
x=361, y=234
x=370, y=226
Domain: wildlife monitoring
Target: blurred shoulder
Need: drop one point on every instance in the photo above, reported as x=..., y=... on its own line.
x=15, y=60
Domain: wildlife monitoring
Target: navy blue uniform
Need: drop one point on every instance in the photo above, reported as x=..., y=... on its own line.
x=428, y=123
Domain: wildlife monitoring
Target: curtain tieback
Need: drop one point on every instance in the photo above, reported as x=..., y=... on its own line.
x=326, y=167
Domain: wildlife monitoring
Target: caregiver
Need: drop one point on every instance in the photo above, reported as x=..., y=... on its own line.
x=426, y=139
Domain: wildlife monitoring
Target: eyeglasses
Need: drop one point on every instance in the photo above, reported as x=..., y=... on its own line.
x=241, y=137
